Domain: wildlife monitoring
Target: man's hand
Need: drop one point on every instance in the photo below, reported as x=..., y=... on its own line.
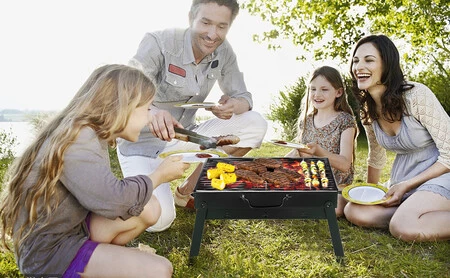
x=225, y=109
x=162, y=124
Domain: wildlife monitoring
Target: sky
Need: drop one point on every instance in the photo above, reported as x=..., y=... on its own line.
x=49, y=48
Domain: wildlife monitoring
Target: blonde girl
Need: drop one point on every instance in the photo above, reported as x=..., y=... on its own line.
x=64, y=209
x=328, y=127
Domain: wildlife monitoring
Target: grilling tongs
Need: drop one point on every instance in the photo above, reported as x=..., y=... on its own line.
x=191, y=136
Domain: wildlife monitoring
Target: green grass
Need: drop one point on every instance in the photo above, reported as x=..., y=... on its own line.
x=286, y=248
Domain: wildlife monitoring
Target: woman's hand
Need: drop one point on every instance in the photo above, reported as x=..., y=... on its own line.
x=396, y=193
x=171, y=168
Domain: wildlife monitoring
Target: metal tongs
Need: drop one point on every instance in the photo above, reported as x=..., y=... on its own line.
x=194, y=137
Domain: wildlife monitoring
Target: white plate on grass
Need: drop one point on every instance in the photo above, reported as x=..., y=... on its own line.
x=365, y=193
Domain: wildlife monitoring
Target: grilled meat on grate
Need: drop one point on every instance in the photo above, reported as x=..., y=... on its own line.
x=251, y=166
x=291, y=174
x=249, y=175
x=268, y=162
x=277, y=178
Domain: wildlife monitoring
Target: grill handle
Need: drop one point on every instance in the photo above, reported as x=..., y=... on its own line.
x=287, y=197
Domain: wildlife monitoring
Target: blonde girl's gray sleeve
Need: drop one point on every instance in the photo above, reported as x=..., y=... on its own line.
x=88, y=176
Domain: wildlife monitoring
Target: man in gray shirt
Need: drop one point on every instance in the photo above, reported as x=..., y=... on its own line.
x=185, y=65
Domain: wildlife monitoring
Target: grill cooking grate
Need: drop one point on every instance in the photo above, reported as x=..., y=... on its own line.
x=293, y=164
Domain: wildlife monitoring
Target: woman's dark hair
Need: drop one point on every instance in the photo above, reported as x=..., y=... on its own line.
x=393, y=103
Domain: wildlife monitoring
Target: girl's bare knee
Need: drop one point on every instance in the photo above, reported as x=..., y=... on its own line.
x=159, y=267
x=151, y=213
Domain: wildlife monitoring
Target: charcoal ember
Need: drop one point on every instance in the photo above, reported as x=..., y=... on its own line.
x=292, y=175
x=251, y=166
x=249, y=175
x=277, y=178
x=268, y=162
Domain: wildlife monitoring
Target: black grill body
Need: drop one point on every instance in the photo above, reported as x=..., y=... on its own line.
x=265, y=201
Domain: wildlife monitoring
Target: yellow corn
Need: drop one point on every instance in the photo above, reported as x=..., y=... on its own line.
x=213, y=173
x=229, y=168
x=228, y=178
x=218, y=184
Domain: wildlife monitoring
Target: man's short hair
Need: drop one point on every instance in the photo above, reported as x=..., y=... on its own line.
x=233, y=5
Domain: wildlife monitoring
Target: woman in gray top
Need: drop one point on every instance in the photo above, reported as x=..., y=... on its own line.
x=406, y=118
x=65, y=210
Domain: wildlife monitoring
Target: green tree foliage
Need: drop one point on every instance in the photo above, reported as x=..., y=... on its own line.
x=330, y=28
x=438, y=83
x=286, y=108
x=7, y=144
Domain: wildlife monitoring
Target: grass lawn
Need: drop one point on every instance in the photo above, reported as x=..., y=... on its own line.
x=286, y=248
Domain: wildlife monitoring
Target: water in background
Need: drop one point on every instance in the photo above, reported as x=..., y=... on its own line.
x=22, y=131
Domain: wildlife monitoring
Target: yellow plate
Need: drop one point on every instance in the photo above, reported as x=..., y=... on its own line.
x=365, y=193
x=196, y=105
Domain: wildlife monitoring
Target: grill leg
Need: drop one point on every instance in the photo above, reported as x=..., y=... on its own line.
x=334, y=231
x=198, y=230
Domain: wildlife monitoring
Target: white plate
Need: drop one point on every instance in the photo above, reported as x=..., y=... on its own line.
x=195, y=157
x=289, y=144
x=196, y=105
x=365, y=193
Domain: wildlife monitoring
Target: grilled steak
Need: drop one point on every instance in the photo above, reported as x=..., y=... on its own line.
x=251, y=166
x=277, y=178
x=249, y=175
x=269, y=162
x=290, y=174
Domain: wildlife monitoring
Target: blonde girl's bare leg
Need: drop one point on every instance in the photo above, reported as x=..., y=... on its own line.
x=111, y=261
x=424, y=216
x=121, y=232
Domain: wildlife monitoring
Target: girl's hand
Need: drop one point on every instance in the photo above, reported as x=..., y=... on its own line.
x=396, y=193
x=313, y=150
x=171, y=168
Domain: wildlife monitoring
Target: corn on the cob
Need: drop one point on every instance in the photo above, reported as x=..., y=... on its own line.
x=218, y=184
x=229, y=168
x=213, y=173
x=228, y=178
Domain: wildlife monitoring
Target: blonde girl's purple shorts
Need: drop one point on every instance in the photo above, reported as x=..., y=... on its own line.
x=82, y=257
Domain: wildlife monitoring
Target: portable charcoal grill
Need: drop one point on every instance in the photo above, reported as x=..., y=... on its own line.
x=244, y=200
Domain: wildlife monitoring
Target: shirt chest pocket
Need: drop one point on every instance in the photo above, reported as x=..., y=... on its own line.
x=213, y=75
x=173, y=88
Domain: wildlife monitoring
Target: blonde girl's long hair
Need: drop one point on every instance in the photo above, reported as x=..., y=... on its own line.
x=333, y=76
x=104, y=103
